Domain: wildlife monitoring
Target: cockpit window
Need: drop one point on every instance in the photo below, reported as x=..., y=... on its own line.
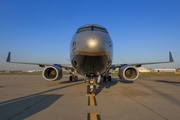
x=85, y=29
x=100, y=29
x=92, y=28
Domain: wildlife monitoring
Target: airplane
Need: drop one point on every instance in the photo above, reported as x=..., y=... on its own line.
x=91, y=53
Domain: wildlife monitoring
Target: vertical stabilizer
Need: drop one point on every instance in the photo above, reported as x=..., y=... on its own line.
x=9, y=57
x=170, y=57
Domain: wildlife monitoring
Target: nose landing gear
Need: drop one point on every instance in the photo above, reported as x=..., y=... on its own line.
x=91, y=87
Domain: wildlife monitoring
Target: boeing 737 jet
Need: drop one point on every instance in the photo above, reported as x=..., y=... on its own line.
x=91, y=53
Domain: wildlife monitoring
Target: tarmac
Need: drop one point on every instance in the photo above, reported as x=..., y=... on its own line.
x=31, y=97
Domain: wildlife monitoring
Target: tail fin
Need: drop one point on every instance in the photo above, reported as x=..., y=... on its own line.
x=170, y=57
x=9, y=57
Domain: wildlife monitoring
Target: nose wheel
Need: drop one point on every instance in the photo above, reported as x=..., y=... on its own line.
x=91, y=87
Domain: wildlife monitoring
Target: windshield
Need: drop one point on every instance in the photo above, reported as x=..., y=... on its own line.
x=91, y=28
x=100, y=29
x=85, y=29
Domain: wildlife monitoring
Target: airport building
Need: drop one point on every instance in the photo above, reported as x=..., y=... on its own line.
x=142, y=69
x=165, y=70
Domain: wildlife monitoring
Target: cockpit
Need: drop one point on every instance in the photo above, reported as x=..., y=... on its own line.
x=91, y=28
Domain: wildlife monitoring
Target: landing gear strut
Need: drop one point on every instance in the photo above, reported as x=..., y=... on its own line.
x=91, y=87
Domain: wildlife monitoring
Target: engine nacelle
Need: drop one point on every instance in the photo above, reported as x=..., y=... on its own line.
x=52, y=73
x=128, y=73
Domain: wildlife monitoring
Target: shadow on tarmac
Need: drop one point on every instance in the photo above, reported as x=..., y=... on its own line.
x=33, y=105
x=165, y=81
x=109, y=84
x=161, y=93
x=81, y=79
x=12, y=108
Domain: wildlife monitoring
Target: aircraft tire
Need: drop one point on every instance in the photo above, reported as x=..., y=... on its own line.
x=70, y=78
x=109, y=78
x=76, y=78
x=94, y=89
x=104, y=78
x=88, y=89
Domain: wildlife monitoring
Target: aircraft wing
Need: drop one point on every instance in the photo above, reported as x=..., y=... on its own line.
x=140, y=64
x=40, y=64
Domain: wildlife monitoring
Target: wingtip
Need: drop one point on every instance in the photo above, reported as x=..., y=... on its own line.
x=170, y=57
x=9, y=57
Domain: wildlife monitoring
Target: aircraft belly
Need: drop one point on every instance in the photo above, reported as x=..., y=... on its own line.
x=87, y=65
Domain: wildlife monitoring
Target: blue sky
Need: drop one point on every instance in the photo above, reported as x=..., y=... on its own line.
x=40, y=31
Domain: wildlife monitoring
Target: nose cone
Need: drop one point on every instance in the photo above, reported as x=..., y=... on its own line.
x=94, y=43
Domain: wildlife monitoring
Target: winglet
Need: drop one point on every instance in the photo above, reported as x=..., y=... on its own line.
x=170, y=57
x=9, y=57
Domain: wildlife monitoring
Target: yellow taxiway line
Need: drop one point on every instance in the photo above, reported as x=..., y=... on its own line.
x=93, y=116
x=92, y=103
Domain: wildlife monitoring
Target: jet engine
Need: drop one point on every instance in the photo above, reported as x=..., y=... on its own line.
x=128, y=73
x=52, y=73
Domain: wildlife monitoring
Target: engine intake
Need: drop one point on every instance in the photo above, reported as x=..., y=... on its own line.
x=52, y=73
x=128, y=73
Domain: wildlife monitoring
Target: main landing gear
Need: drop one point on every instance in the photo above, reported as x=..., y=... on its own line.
x=91, y=87
x=75, y=78
x=106, y=77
